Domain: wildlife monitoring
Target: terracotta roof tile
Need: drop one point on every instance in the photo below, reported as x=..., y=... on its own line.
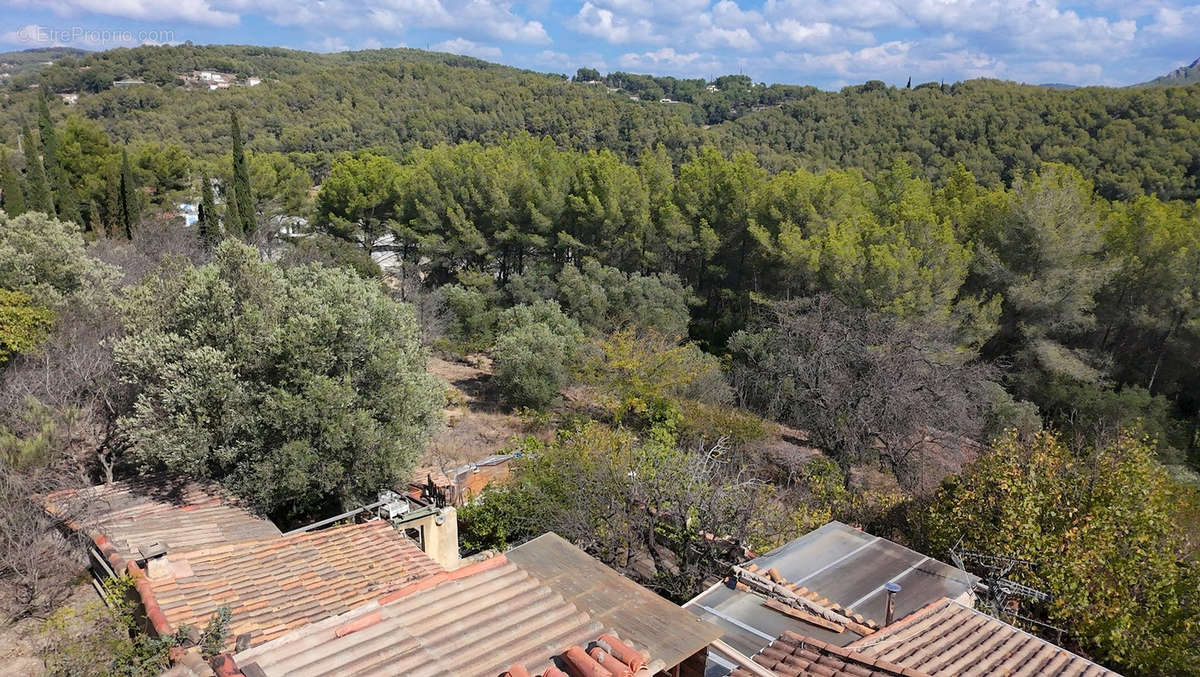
x=273, y=587
x=950, y=638
x=184, y=514
x=943, y=638
x=484, y=619
x=793, y=655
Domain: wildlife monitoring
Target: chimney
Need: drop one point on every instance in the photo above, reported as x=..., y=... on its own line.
x=890, y=614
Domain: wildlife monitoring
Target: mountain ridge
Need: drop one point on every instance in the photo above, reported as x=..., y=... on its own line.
x=1182, y=76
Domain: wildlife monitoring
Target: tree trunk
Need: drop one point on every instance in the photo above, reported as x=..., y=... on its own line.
x=1162, y=349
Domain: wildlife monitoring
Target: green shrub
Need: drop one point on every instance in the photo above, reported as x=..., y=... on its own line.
x=472, y=316
x=531, y=364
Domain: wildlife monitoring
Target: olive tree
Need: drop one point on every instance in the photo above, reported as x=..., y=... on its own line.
x=303, y=389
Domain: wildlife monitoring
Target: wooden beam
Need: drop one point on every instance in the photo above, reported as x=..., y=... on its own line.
x=740, y=659
x=799, y=615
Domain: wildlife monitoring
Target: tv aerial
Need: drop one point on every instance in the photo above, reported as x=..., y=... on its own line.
x=999, y=595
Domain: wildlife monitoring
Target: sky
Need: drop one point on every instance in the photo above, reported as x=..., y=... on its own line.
x=827, y=44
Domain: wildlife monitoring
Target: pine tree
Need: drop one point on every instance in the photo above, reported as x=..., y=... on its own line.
x=11, y=191
x=127, y=199
x=241, y=182
x=39, y=198
x=209, y=226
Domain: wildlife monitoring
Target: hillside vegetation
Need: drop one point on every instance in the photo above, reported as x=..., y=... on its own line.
x=312, y=106
x=963, y=315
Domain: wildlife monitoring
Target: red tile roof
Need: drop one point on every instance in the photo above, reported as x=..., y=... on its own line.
x=793, y=655
x=220, y=554
x=488, y=617
x=607, y=656
x=275, y=586
x=491, y=612
x=947, y=637
x=944, y=638
x=184, y=514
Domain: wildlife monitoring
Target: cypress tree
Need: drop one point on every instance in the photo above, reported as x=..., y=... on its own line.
x=39, y=198
x=210, y=228
x=94, y=222
x=68, y=204
x=241, y=182
x=233, y=220
x=13, y=193
x=64, y=196
x=112, y=202
x=127, y=199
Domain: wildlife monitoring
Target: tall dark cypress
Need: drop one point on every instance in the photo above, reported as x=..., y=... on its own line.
x=65, y=200
x=12, y=193
x=208, y=223
x=38, y=197
x=233, y=220
x=127, y=205
x=241, y=181
x=112, y=203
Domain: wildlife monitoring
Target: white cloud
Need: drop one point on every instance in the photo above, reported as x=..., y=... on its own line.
x=562, y=62
x=1175, y=24
x=191, y=11
x=736, y=38
x=820, y=35
x=667, y=60
x=330, y=44
x=654, y=8
x=469, y=48
x=611, y=27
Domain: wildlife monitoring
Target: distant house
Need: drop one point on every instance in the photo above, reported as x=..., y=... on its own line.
x=189, y=211
x=69, y=98
x=665, y=100
x=218, y=85
x=460, y=485
x=712, y=89
x=128, y=82
x=251, y=82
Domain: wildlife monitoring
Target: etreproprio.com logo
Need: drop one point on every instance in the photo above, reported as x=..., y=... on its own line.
x=79, y=34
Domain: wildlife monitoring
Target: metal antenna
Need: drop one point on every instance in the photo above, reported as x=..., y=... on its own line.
x=1001, y=595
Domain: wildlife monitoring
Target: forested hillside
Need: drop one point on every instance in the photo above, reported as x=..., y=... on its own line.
x=960, y=316
x=315, y=105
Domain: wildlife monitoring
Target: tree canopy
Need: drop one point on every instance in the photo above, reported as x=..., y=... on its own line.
x=300, y=388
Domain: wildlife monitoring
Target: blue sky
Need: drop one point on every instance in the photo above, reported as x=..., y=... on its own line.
x=828, y=44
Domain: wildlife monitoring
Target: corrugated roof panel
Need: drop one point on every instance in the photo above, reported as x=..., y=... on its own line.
x=523, y=607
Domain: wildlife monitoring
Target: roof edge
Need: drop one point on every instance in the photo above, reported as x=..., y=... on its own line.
x=899, y=625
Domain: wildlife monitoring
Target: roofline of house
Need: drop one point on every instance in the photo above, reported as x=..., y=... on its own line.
x=141, y=583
